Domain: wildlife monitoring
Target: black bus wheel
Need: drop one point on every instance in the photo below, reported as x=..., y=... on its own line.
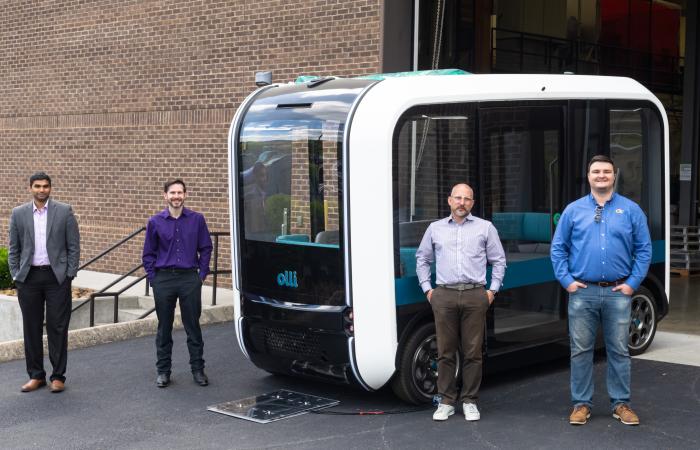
x=642, y=321
x=416, y=378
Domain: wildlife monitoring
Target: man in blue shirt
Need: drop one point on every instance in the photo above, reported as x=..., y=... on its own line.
x=601, y=253
x=176, y=253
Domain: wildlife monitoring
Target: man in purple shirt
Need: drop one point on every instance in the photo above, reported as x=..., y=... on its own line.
x=176, y=255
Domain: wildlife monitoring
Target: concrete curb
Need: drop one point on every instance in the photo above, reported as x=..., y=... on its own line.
x=103, y=334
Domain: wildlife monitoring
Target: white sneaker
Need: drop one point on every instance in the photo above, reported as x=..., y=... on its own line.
x=471, y=412
x=443, y=412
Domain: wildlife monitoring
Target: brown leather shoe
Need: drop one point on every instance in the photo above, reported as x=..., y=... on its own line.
x=580, y=415
x=624, y=414
x=33, y=385
x=57, y=386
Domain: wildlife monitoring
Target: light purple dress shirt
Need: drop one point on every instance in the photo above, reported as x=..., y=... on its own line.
x=41, y=256
x=461, y=253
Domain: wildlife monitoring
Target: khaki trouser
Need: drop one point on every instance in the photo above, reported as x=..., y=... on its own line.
x=460, y=317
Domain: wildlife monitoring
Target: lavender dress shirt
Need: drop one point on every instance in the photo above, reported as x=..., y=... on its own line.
x=41, y=255
x=182, y=243
x=461, y=252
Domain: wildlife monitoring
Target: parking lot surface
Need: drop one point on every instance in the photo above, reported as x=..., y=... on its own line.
x=111, y=401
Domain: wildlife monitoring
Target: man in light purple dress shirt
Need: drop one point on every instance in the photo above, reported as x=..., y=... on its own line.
x=461, y=245
x=43, y=256
x=176, y=253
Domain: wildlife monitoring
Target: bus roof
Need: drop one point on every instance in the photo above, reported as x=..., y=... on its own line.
x=382, y=76
x=498, y=87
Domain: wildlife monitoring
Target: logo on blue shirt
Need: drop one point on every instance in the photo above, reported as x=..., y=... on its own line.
x=288, y=278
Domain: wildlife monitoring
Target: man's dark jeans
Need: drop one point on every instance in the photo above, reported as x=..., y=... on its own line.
x=168, y=287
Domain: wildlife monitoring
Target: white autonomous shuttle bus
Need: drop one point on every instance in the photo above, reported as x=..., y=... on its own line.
x=334, y=181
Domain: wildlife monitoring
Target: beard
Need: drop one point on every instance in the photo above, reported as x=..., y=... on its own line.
x=460, y=212
x=176, y=203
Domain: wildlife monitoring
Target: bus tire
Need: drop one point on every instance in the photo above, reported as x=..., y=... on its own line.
x=416, y=378
x=643, y=321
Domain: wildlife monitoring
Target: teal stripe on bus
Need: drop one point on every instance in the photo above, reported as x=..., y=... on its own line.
x=519, y=274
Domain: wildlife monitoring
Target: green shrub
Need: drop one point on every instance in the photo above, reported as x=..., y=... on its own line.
x=5, y=277
x=274, y=211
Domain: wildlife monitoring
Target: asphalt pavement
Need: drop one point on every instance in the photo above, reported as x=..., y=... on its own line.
x=111, y=402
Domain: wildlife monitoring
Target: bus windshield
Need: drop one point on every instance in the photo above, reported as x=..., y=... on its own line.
x=289, y=181
x=290, y=217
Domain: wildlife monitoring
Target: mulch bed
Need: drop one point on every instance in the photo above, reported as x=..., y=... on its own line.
x=77, y=292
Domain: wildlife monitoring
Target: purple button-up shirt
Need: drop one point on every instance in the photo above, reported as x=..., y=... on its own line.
x=182, y=243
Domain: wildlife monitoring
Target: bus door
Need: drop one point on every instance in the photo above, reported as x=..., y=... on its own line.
x=521, y=149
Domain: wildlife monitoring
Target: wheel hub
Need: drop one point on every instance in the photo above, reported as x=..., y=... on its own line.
x=642, y=321
x=424, y=367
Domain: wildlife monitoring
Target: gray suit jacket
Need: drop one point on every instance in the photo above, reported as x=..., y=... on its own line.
x=62, y=241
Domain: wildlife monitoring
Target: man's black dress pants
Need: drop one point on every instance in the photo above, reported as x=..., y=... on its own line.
x=38, y=289
x=168, y=287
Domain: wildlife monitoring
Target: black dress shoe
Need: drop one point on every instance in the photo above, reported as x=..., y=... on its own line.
x=200, y=378
x=163, y=380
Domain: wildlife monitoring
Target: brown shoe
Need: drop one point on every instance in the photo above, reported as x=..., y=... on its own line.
x=579, y=415
x=57, y=386
x=33, y=385
x=624, y=414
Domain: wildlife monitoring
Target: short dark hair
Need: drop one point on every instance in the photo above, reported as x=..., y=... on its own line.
x=600, y=158
x=39, y=176
x=169, y=183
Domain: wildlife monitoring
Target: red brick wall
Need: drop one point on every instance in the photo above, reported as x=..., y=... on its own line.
x=112, y=97
x=300, y=211
x=330, y=175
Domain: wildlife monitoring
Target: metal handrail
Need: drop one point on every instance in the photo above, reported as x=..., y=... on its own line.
x=91, y=300
x=116, y=299
x=146, y=314
x=103, y=292
x=216, y=272
x=107, y=287
x=114, y=246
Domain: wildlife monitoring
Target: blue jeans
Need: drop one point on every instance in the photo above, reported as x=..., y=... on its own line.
x=589, y=308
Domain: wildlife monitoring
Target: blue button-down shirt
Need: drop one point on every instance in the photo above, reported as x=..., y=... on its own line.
x=618, y=247
x=460, y=252
x=182, y=243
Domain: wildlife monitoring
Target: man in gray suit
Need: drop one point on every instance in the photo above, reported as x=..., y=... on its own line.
x=43, y=258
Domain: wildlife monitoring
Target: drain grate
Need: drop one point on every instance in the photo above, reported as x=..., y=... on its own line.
x=273, y=406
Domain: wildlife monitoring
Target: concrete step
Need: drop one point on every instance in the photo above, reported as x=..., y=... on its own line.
x=128, y=314
x=126, y=301
x=130, y=308
x=146, y=301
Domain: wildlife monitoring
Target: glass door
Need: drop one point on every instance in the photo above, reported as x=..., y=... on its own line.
x=521, y=150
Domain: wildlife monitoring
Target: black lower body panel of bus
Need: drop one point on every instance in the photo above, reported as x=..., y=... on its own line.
x=283, y=342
